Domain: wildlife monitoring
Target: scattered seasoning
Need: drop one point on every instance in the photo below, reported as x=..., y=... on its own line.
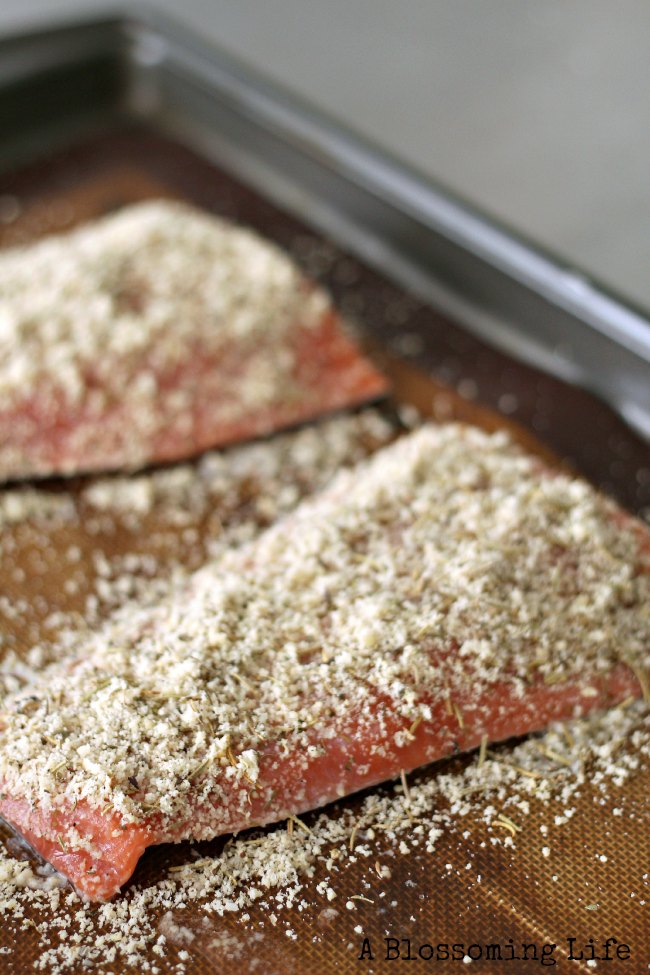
x=530, y=773
x=405, y=788
x=459, y=716
x=483, y=750
x=279, y=867
x=554, y=756
x=227, y=883
x=224, y=498
x=416, y=724
x=202, y=682
x=353, y=836
x=506, y=821
x=642, y=677
x=299, y=823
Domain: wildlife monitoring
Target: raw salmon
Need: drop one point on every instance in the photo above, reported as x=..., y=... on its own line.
x=447, y=590
x=158, y=332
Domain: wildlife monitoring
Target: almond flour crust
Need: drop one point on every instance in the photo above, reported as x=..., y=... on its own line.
x=155, y=333
x=448, y=590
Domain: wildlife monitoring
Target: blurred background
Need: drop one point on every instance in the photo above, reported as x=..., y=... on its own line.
x=537, y=112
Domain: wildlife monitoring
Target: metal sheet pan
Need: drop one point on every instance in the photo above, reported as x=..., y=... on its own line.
x=500, y=287
x=96, y=115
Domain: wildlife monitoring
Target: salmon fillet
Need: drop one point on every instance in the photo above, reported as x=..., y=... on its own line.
x=155, y=333
x=448, y=590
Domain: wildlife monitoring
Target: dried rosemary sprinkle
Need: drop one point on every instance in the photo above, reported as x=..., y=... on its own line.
x=221, y=657
x=641, y=675
x=405, y=787
x=280, y=868
x=502, y=818
x=483, y=750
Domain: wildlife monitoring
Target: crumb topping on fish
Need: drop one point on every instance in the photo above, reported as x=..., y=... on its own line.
x=448, y=564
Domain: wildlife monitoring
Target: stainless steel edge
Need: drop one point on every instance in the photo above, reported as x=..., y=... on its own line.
x=22, y=56
x=503, y=289
x=59, y=84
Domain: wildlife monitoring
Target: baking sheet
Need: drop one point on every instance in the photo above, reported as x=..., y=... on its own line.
x=83, y=76
x=469, y=890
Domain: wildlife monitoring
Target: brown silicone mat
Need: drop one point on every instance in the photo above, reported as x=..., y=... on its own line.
x=430, y=897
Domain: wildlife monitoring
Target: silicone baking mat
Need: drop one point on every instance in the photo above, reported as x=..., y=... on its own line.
x=532, y=882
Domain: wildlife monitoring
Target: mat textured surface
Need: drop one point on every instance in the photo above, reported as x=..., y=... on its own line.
x=572, y=863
